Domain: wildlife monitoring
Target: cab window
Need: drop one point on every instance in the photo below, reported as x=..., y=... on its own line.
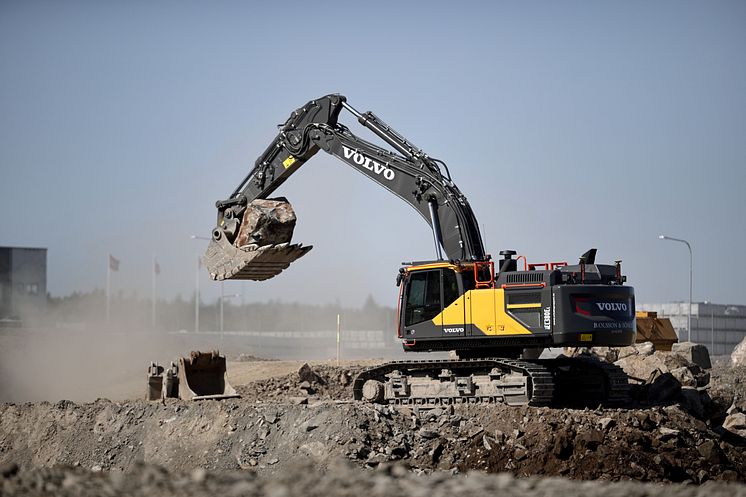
x=423, y=297
x=450, y=287
x=429, y=292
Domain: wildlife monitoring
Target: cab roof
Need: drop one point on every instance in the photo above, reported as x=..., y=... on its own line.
x=455, y=266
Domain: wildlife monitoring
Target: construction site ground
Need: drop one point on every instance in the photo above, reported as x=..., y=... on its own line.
x=282, y=439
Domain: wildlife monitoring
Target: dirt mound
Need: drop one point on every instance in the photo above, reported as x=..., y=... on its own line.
x=322, y=383
x=343, y=480
x=250, y=358
x=659, y=444
x=306, y=417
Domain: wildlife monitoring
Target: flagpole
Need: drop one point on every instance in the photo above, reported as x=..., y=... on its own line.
x=196, y=298
x=108, y=288
x=338, y=339
x=153, y=313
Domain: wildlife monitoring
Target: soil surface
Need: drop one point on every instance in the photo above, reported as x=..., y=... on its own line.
x=341, y=480
x=288, y=436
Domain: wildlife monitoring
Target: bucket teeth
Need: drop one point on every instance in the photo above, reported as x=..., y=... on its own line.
x=250, y=262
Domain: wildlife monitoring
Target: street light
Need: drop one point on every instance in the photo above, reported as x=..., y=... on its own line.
x=196, y=285
x=689, y=315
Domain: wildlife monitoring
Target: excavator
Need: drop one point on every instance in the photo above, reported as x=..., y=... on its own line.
x=493, y=316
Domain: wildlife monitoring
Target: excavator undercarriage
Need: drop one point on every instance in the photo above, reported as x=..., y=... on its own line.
x=564, y=381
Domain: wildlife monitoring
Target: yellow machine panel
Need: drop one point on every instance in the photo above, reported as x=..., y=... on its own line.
x=483, y=309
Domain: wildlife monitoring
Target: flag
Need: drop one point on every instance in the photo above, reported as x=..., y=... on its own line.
x=113, y=263
x=199, y=262
x=156, y=267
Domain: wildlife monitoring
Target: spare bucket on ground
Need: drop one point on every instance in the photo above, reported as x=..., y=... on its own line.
x=203, y=375
x=162, y=382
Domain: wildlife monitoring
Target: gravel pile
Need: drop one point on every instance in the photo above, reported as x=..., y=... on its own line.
x=656, y=444
x=341, y=480
x=306, y=420
x=320, y=383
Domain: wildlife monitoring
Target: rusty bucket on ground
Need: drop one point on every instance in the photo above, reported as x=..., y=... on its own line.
x=203, y=375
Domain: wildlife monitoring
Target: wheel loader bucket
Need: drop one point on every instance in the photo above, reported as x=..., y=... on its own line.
x=203, y=375
x=254, y=243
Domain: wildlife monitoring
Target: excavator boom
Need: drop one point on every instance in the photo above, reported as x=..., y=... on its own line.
x=239, y=250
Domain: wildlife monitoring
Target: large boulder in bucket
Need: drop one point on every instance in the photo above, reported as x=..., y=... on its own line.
x=261, y=249
x=267, y=222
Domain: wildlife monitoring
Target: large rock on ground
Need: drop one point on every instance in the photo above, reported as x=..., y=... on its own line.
x=685, y=376
x=306, y=374
x=693, y=352
x=736, y=423
x=738, y=357
x=663, y=387
x=642, y=367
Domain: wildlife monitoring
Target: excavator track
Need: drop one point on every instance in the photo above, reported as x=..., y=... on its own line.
x=443, y=382
x=585, y=381
x=569, y=381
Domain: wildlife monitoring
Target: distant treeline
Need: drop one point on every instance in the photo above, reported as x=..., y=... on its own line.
x=129, y=311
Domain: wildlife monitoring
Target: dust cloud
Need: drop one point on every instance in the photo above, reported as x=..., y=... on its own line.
x=70, y=352
x=77, y=365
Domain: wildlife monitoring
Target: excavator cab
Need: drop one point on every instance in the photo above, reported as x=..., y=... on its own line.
x=428, y=292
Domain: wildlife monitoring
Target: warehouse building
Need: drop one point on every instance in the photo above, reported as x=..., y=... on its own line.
x=23, y=283
x=719, y=327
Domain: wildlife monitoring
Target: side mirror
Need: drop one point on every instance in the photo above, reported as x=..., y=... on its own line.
x=399, y=277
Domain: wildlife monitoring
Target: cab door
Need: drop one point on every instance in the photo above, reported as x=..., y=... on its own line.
x=422, y=303
x=433, y=305
x=453, y=316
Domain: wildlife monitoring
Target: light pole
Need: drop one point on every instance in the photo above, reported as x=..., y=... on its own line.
x=196, y=284
x=712, y=327
x=689, y=314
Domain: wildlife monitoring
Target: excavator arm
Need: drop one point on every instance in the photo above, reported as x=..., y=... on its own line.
x=419, y=180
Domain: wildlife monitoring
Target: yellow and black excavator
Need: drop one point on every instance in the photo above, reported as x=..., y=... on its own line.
x=496, y=316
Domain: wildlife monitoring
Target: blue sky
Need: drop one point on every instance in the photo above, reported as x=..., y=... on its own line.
x=568, y=125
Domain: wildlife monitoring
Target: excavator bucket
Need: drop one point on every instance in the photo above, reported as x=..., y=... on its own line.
x=162, y=383
x=155, y=382
x=251, y=262
x=203, y=375
x=261, y=249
